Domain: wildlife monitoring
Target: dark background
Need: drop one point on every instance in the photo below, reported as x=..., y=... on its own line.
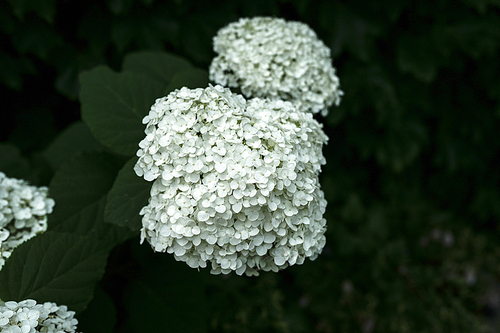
x=412, y=176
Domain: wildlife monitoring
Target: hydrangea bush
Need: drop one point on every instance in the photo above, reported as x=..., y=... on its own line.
x=28, y=316
x=407, y=159
x=235, y=181
x=23, y=213
x=278, y=59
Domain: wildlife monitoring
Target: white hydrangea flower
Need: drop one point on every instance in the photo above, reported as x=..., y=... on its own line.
x=29, y=317
x=23, y=213
x=272, y=58
x=235, y=181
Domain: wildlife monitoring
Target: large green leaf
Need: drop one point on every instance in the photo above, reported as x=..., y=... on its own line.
x=161, y=66
x=56, y=267
x=75, y=139
x=126, y=198
x=113, y=105
x=12, y=163
x=79, y=189
x=191, y=78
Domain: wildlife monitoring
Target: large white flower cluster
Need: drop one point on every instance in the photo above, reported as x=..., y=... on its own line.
x=29, y=317
x=272, y=58
x=23, y=213
x=235, y=181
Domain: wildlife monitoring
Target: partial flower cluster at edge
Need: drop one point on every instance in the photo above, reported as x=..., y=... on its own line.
x=235, y=182
x=271, y=58
x=23, y=213
x=29, y=317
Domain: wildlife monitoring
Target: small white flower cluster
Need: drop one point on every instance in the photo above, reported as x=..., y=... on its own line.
x=235, y=181
x=29, y=317
x=23, y=213
x=271, y=58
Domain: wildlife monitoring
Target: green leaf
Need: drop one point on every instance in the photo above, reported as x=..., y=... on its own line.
x=352, y=32
x=196, y=33
x=120, y=7
x=12, y=163
x=38, y=39
x=33, y=169
x=402, y=147
x=56, y=267
x=12, y=70
x=191, y=78
x=126, y=198
x=75, y=139
x=482, y=5
x=161, y=66
x=476, y=37
x=80, y=188
x=113, y=105
x=417, y=56
x=46, y=9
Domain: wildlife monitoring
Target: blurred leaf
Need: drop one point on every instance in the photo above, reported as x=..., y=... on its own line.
x=192, y=78
x=161, y=66
x=100, y=315
x=38, y=39
x=482, y=5
x=75, y=139
x=118, y=7
x=13, y=69
x=12, y=163
x=33, y=169
x=476, y=36
x=197, y=31
x=113, y=105
x=39, y=122
x=123, y=33
x=417, y=56
x=401, y=146
x=149, y=31
x=127, y=197
x=371, y=87
x=46, y=9
x=95, y=29
x=486, y=204
x=56, y=267
x=80, y=188
x=352, y=32
x=67, y=82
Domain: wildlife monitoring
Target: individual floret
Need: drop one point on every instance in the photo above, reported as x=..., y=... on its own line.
x=272, y=58
x=235, y=181
x=23, y=213
x=29, y=317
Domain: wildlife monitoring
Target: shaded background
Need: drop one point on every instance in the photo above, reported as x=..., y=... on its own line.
x=412, y=176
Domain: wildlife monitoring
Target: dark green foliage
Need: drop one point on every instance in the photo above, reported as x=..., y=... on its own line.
x=411, y=179
x=80, y=189
x=157, y=65
x=74, y=140
x=126, y=198
x=113, y=106
x=55, y=267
